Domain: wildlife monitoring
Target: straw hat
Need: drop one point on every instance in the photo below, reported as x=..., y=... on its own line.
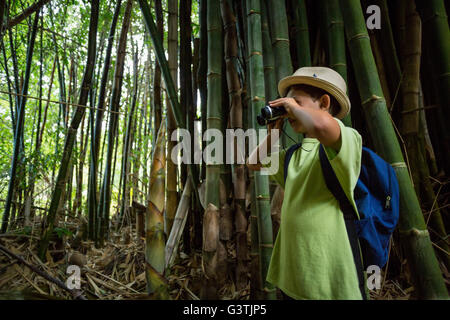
x=324, y=78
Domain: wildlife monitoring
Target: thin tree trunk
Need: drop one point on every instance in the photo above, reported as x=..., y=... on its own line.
x=35, y=7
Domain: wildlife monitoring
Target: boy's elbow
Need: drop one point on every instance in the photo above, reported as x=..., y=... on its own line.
x=327, y=130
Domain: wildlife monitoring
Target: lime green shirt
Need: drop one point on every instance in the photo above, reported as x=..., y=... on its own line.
x=312, y=257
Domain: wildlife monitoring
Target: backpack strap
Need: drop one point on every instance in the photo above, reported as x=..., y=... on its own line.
x=288, y=157
x=350, y=215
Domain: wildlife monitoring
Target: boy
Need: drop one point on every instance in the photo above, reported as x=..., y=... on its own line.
x=312, y=256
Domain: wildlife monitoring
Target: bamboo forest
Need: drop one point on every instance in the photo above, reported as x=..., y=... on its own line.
x=101, y=101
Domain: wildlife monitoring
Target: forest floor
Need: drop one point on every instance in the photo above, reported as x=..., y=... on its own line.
x=117, y=271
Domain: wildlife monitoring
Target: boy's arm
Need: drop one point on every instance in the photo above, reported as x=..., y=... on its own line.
x=253, y=162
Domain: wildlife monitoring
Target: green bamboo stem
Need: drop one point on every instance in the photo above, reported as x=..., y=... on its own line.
x=280, y=43
x=19, y=125
x=415, y=238
x=257, y=101
x=239, y=184
x=301, y=33
x=336, y=42
x=213, y=121
x=388, y=49
x=172, y=170
x=104, y=205
x=410, y=124
x=435, y=23
x=72, y=131
x=168, y=80
x=271, y=91
x=97, y=127
x=256, y=291
x=157, y=102
x=202, y=71
x=270, y=81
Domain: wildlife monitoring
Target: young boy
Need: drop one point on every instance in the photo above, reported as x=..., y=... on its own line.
x=312, y=256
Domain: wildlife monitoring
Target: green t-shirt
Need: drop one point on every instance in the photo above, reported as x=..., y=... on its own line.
x=312, y=257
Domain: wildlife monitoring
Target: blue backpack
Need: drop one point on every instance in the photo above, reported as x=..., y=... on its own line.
x=377, y=198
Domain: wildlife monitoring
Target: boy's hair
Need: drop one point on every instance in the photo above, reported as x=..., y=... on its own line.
x=315, y=93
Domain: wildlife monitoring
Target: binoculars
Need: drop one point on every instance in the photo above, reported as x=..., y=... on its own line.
x=269, y=114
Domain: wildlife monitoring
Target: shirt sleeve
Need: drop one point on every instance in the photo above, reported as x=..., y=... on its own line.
x=277, y=172
x=346, y=163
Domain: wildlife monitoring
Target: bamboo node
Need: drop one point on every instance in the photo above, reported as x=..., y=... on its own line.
x=398, y=165
x=359, y=36
x=256, y=99
x=373, y=97
x=415, y=232
x=266, y=245
x=279, y=39
x=251, y=11
x=255, y=53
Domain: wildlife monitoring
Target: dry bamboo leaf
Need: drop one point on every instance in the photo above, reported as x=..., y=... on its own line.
x=92, y=283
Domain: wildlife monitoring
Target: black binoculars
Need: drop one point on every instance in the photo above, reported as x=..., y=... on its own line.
x=269, y=114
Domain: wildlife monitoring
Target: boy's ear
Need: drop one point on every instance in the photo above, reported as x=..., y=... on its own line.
x=325, y=102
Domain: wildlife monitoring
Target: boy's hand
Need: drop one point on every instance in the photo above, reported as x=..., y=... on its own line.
x=288, y=103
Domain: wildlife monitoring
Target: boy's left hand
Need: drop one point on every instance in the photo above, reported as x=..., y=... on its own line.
x=289, y=105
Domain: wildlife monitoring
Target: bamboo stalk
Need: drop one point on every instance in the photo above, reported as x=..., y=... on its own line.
x=239, y=188
x=72, y=130
x=178, y=225
x=157, y=102
x=168, y=79
x=301, y=33
x=435, y=23
x=19, y=126
x=280, y=42
x=154, y=221
x=96, y=128
x=213, y=121
x=105, y=200
x=256, y=81
x=336, y=42
x=415, y=238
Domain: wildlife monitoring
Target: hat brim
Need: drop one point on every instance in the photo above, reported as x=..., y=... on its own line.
x=337, y=93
